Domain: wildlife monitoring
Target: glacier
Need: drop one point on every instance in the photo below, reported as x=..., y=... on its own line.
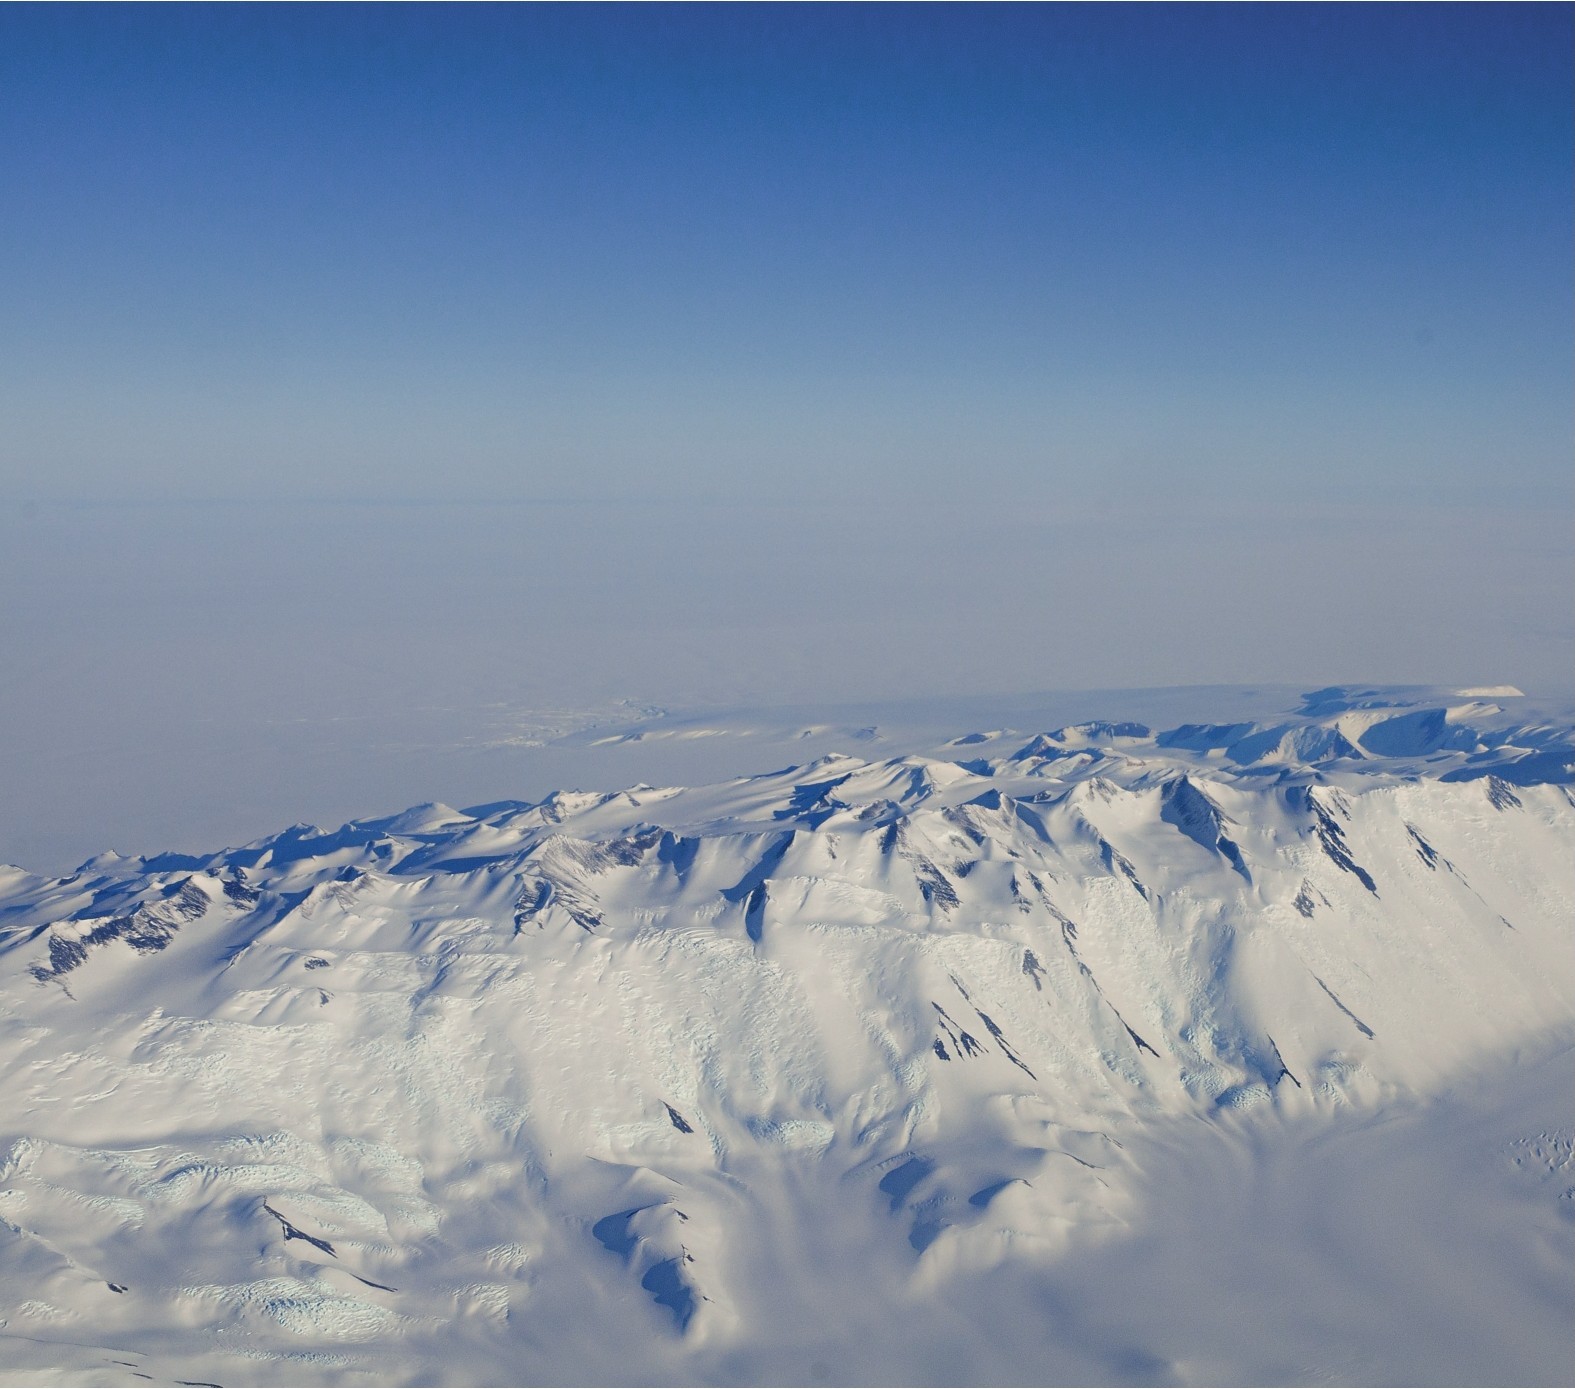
x=1216, y=1053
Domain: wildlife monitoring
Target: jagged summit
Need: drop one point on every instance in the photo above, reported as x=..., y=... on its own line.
x=426, y=1080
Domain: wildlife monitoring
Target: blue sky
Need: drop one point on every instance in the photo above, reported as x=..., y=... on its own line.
x=421, y=368
x=755, y=253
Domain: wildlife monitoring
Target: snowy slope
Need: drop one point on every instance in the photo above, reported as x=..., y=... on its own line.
x=808, y=1074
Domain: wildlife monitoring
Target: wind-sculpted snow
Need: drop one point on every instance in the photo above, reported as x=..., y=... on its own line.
x=675, y=1083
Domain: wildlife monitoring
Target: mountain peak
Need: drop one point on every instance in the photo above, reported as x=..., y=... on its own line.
x=611, y=1047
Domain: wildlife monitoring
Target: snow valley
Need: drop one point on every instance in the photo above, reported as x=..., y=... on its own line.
x=1221, y=1052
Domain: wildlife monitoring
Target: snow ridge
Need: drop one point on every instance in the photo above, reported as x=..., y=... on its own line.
x=613, y=1075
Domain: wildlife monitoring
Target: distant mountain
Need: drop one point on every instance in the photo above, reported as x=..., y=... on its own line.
x=539, y=1090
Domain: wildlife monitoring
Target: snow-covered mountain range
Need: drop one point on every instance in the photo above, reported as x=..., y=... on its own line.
x=843, y=1072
